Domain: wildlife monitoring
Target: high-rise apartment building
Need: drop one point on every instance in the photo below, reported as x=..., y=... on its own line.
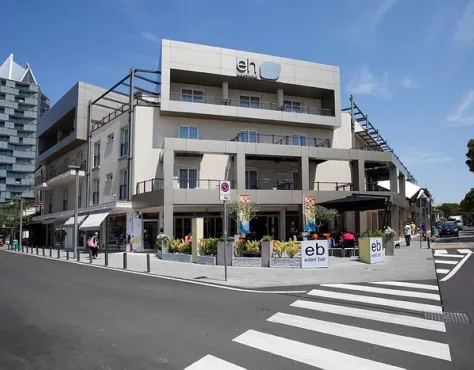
x=21, y=104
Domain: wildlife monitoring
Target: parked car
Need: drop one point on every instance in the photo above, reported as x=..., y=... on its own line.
x=448, y=228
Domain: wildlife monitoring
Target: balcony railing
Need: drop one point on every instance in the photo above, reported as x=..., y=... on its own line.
x=264, y=184
x=236, y=102
x=198, y=184
x=332, y=186
x=373, y=186
x=149, y=185
x=60, y=170
x=296, y=140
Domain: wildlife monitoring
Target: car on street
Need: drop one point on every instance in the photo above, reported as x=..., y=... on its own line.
x=448, y=228
x=459, y=224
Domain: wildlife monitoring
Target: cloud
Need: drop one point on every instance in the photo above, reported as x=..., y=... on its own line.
x=464, y=113
x=365, y=83
x=427, y=158
x=465, y=25
x=380, y=12
x=408, y=83
x=150, y=37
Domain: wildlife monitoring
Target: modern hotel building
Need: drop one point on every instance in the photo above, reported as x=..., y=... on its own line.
x=151, y=158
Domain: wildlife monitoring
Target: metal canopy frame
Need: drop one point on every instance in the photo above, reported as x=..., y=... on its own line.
x=371, y=136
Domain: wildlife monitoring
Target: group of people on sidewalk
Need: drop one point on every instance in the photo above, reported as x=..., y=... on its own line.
x=409, y=230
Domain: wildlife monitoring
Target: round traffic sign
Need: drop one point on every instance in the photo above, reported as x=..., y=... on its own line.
x=225, y=187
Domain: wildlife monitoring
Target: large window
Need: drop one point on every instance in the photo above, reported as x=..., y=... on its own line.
x=123, y=185
x=292, y=106
x=251, y=179
x=249, y=101
x=188, y=178
x=95, y=193
x=188, y=132
x=97, y=154
x=65, y=196
x=124, y=142
x=248, y=136
x=193, y=96
x=298, y=139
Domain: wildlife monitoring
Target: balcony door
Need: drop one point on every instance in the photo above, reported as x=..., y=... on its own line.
x=251, y=179
x=188, y=178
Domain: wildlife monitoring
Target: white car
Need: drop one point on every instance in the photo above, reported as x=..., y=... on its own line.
x=459, y=225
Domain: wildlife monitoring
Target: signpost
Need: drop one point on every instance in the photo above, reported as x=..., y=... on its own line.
x=224, y=196
x=314, y=254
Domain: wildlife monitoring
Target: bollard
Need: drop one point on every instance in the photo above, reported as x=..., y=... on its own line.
x=148, y=262
x=43, y=249
x=106, y=259
x=32, y=249
x=125, y=260
x=50, y=252
x=37, y=252
x=90, y=255
x=67, y=254
x=78, y=257
x=22, y=248
x=59, y=254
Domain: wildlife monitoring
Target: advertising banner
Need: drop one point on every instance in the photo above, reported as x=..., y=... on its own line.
x=244, y=222
x=134, y=232
x=314, y=254
x=309, y=222
x=376, y=250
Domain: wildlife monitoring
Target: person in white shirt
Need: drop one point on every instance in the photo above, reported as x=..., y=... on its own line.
x=407, y=232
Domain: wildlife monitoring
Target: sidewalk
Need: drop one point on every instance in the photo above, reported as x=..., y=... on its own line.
x=409, y=263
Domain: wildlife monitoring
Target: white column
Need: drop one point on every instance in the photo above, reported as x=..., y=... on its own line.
x=225, y=90
x=168, y=208
x=240, y=171
x=280, y=97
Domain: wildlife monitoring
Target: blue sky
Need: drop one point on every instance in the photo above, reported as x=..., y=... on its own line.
x=408, y=63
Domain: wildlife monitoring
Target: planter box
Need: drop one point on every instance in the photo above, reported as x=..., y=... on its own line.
x=294, y=262
x=229, y=253
x=247, y=261
x=267, y=251
x=177, y=257
x=159, y=254
x=206, y=260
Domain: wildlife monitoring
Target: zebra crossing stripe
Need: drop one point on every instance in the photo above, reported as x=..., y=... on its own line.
x=442, y=251
x=370, y=289
x=308, y=354
x=406, y=285
x=450, y=255
x=209, y=362
x=446, y=262
x=379, y=338
x=372, y=315
x=464, y=251
x=376, y=301
x=442, y=271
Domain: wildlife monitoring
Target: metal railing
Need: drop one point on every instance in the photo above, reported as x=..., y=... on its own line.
x=198, y=184
x=149, y=185
x=60, y=170
x=267, y=184
x=332, y=186
x=244, y=137
x=237, y=102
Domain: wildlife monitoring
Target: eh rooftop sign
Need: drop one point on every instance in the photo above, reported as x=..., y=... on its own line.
x=265, y=71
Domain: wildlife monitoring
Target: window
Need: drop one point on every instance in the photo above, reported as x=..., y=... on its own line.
x=95, y=194
x=50, y=202
x=18, y=181
x=188, y=178
x=123, y=185
x=292, y=106
x=251, y=180
x=298, y=139
x=188, y=132
x=110, y=137
x=193, y=96
x=248, y=136
x=65, y=196
x=249, y=101
x=20, y=140
x=109, y=176
x=79, y=197
x=96, y=161
x=124, y=142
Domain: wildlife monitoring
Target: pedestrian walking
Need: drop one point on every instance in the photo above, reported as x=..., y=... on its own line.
x=407, y=231
x=93, y=244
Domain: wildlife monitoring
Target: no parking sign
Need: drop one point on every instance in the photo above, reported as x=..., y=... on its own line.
x=224, y=190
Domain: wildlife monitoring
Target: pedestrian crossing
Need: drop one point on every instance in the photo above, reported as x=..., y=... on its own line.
x=449, y=261
x=378, y=325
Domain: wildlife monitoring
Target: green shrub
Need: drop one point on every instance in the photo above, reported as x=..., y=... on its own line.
x=208, y=247
x=279, y=248
x=160, y=239
x=185, y=248
x=292, y=248
x=252, y=248
x=267, y=238
x=174, y=245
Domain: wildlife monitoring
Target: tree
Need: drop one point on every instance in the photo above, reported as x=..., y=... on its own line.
x=245, y=211
x=10, y=215
x=322, y=215
x=467, y=204
x=449, y=209
x=470, y=155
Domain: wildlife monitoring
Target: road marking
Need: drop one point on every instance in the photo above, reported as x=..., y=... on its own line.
x=450, y=255
x=164, y=277
x=209, y=362
x=379, y=338
x=442, y=271
x=442, y=251
x=376, y=301
x=446, y=262
x=464, y=251
x=407, y=285
x=370, y=289
x=456, y=268
x=308, y=354
x=372, y=315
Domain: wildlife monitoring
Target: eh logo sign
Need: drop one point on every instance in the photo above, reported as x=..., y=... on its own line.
x=266, y=71
x=314, y=254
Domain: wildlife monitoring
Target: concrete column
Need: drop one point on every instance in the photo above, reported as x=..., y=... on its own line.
x=168, y=218
x=393, y=173
x=282, y=225
x=240, y=171
x=402, y=185
x=46, y=240
x=358, y=175
x=304, y=173
x=280, y=97
x=395, y=219
x=225, y=90
x=168, y=208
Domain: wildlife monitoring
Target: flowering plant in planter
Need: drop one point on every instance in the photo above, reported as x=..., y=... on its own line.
x=160, y=240
x=292, y=248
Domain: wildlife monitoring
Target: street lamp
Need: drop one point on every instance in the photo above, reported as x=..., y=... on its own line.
x=76, y=168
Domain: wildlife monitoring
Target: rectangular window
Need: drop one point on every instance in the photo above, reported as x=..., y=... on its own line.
x=299, y=140
x=65, y=196
x=192, y=96
x=292, y=106
x=123, y=194
x=249, y=101
x=95, y=194
x=248, y=136
x=96, y=161
x=188, y=132
x=124, y=142
x=109, y=176
x=79, y=197
x=188, y=178
x=251, y=179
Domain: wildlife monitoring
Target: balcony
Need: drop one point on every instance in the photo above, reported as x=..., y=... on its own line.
x=198, y=184
x=298, y=140
x=61, y=175
x=373, y=186
x=332, y=186
x=149, y=186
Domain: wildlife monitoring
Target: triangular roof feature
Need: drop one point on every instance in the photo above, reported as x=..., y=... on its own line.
x=13, y=71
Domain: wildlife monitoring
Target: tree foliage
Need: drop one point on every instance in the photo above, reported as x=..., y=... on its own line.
x=467, y=204
x=470, y=155
x=10, y=215
x=323, y=215
x=247, y=210
x=449, y=209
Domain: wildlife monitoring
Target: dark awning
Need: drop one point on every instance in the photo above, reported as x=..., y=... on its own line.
x=358, y=203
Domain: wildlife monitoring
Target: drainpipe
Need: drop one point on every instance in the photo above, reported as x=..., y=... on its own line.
x=89, y=158
x=131, y=135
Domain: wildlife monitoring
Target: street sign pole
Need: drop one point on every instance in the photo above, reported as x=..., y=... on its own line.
x=225, y=240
